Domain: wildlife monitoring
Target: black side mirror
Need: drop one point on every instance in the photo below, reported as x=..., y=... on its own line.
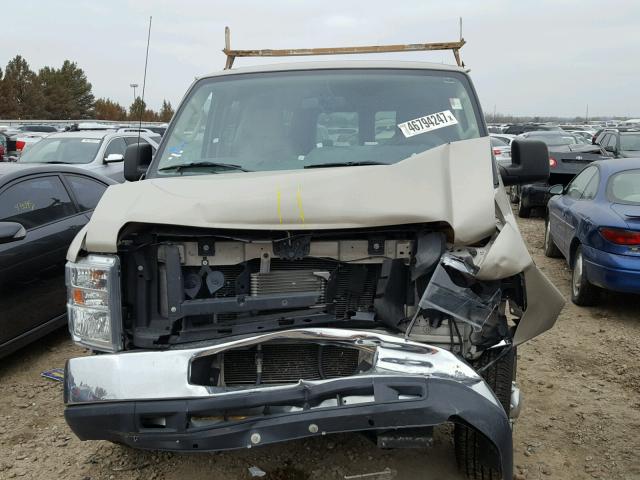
x=610, y=149
x=557, y=190
x=529, y=163
x=137, y=159
x=11, y=232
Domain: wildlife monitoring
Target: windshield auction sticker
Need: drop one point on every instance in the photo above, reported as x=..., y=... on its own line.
x=427, y=123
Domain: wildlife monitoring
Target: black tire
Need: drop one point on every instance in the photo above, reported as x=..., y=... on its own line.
x=583, y=293
x=523, y=212
x=513, y=194
x=476, y=456
x=550, y=248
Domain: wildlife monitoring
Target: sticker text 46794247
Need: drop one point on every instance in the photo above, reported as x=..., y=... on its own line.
x=427, y=123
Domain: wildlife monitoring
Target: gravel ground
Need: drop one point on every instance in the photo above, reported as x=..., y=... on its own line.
x=580, y=419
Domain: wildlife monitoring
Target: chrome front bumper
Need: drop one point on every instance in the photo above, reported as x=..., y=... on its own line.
x=408, y=385
x=163, y=375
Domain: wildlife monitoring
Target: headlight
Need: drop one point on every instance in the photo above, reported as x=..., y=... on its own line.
x=93, y=289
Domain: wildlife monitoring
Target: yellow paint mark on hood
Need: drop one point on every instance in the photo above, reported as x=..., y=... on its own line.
x=279, y=202
x=299, y=199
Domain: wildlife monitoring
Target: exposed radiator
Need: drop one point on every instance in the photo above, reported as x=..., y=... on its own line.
x=354, y=284
x=288, y=363
x=291, y=281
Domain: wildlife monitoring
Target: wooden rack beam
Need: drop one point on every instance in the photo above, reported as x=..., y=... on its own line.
x=296, y=52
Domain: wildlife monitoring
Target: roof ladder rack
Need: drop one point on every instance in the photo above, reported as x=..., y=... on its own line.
x=297, y=52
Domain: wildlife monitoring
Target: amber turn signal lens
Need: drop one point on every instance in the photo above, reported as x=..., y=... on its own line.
x=78, y=297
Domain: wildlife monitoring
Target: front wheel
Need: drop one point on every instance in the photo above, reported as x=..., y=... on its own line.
x=583, y=292
x=523, y=212
x=550, y=248
x=476, y=456
x=513, y=194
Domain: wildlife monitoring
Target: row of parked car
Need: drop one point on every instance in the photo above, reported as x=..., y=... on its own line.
x=15, y=140
x=591, y=203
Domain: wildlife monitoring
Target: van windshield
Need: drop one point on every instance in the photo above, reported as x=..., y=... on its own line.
x=305, y=119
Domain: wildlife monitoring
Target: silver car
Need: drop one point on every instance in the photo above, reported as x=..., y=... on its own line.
x=99, y=151
x=501, y=149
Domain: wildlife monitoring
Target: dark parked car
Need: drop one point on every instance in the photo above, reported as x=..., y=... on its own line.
x=594, y=222
x=157, y=129
x=38, y=128
x=517, y=129
x=567, y=157
x=41, y=210
x=621, y=142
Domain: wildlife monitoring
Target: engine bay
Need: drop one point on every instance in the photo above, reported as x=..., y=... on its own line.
x=189, y=285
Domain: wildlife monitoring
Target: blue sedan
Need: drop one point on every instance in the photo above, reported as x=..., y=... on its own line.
x=594, y=222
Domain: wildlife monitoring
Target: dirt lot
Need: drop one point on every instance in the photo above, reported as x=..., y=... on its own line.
x=581, y=414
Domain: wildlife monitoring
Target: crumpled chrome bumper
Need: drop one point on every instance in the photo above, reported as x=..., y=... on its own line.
x=145, y=399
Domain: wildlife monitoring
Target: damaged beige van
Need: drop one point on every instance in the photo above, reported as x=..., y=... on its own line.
x=315, y=248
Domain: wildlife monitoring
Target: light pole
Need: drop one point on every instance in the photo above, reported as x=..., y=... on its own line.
x=134, y=86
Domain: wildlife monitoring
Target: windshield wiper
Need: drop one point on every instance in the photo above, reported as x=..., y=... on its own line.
x=345, y=164
x=180, y=168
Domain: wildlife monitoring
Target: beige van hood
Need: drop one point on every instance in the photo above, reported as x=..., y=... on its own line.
x=452, y=183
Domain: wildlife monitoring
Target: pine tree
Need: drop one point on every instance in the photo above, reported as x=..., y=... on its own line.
x=80, y=89
x=136, y=109
x=8, y=104
x=106, y=109
x=67, y=92
x=166, y=112
x=58, y=101
x=139, y=111
x=62, y=94
x=150, y=116
x=24, y=87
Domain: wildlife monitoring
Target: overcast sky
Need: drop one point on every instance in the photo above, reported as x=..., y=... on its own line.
x=526, y=57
